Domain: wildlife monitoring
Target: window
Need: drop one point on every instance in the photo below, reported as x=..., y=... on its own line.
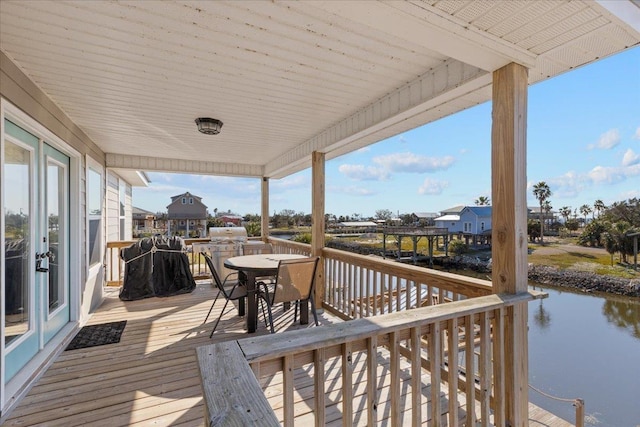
x=190, y=200
x=482, y=226
x=94, y=215
x=181, y=222
x=467, y=227
x=184, y=200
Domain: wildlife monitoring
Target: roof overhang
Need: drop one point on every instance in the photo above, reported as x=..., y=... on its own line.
x=286, y=78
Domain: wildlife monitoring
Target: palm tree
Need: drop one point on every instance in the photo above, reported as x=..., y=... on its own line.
x=598, y=206
x=565, y=211
x=542, y=192
x=585, y=210
x=482, y=201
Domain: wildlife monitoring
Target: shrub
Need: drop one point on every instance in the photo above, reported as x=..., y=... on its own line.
x=458, y=247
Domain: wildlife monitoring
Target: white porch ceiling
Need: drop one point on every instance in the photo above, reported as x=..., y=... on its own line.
x=287, y=78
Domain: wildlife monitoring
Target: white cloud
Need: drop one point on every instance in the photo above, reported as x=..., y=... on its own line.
x=364, y=173
x=637, y=134
x=606, y=175
x=607, y=140
x=351, y=190
x=565, y=186
x=432, y=186
x=413, y=163
x=630, y=158
x=363, y=149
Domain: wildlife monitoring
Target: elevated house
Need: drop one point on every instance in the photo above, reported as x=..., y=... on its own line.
x=187, y=216
x=426, y=219
x=473, y=223
x=97, y=91
x=143, y=220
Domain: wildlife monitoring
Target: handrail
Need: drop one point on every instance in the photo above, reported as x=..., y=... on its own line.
x=362, y=286
x=577, y=402
x=438, y=333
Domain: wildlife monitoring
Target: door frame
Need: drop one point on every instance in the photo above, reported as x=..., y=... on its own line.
x=20, y=384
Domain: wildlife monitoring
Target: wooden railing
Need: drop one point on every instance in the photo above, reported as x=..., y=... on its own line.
x=358, y=286
x=460, y=344
x=114, y=267
x=282, y=246
x=363, y=286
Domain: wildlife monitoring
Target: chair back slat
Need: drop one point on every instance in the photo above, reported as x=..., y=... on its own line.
x=295, y=279
x=257, y=248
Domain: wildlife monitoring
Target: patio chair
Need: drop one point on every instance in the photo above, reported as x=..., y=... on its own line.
x=229, y=292
x=294, y=283
x=257, y=248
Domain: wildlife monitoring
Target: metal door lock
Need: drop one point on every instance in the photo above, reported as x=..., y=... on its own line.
x=39, y=258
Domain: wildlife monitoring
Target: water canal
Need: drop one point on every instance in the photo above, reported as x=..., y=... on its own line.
x=586, y=346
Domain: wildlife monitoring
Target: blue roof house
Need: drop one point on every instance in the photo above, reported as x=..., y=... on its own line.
x=472, y=220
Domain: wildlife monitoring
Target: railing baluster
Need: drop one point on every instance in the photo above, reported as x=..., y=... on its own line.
x=362, y=293
x=287, y=379
x=347, y=385
x=416, y=377
x=434, y=338
x=453, y=338
x=484, y=368
x=394, y=371
x=498, y=367
x=389, y=285
x=469, y=369
x=372, y=381
x=319, y=377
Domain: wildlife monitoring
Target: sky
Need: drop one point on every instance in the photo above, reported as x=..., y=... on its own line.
x=583, y=140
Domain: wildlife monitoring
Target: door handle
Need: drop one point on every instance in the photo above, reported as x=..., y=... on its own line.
x=39, y=258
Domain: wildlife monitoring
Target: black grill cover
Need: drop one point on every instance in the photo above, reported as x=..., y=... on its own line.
x=160, y=274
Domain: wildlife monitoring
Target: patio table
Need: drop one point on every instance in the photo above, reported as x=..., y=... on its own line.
x=252, y=266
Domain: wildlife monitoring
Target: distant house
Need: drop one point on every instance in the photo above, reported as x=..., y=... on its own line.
x=453, y=211
x=548, y=217
x=426, y=219
x=142, y=220
x=187, y=216
x=230, y=220
x=471, y=221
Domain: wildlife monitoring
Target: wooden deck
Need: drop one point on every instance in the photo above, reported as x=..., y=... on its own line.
x=151, y=377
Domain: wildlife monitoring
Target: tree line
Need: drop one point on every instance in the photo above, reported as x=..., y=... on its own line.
x=611, y=229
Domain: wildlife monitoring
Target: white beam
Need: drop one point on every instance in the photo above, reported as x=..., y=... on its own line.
x=438, y=86
x=198, y=167
x=434, y=29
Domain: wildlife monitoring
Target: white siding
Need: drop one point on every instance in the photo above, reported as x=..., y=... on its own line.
x=112, y=208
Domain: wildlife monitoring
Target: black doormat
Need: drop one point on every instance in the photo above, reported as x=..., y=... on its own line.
x=95, y=335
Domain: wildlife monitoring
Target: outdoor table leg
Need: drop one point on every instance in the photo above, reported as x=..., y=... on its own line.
x=304, y=312
x=241, y=303
x=252, y=304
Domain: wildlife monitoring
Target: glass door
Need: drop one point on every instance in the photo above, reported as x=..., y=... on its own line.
x=19, y=185
x=55, y=241
x=35, y=188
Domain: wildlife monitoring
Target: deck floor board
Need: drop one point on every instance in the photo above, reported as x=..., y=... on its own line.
x=151, y=376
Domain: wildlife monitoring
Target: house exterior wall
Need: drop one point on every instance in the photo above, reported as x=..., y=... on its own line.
x=454, y=227
x=476, y=221
x=21, y=95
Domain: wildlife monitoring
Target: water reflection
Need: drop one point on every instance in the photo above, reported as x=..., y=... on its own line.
x=624, y=315
x=542, y=317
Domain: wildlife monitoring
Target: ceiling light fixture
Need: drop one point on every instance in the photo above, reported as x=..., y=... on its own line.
x=208, y=125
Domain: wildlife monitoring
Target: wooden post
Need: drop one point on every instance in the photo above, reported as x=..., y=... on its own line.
x=264, y=210
x=317, y=220
x=509, y=218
